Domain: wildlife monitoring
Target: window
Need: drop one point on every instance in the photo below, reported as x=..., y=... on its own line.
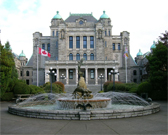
x=118, y=46
x=113, y=46
x=92, y=74
x=53, y=33
x=56, y=44
x=134, y=72
x=105, y=33
x=140, y=72
x=27, y=73
x=56, y=58
x=20, y=73
x=80, y=22
x=135, y=80
x=70, y=56
x=91, y=56
x=84, y=42
x=27, y=82
x=48, y=47
x=71, y=74
x=57, y=33
x=77, y=56
x=109, y=33
x=77, y=42
x=85, y=56
x=91, y=42
x=105, y=44
x=70, y=42
x=43, y=46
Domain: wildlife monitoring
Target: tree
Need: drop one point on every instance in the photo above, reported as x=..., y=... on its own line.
x=164, y=39
x=6, y=64
x=157, y=67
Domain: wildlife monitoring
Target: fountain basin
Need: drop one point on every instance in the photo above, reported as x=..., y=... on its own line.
x=94, y=102
x=84, y=115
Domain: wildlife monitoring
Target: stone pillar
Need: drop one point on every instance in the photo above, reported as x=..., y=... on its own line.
x=58, y=74
x=88, y=42
x=105, y=75
x=76, y=75
x=86, y=75
x=81, y=42
x=96, y=78
x=67, y=76
x=46, y=76
x=74, y=42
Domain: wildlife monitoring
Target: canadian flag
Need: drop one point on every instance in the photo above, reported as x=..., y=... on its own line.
x=44, y=53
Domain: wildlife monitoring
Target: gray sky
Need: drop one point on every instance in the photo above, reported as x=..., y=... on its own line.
x=145, y=20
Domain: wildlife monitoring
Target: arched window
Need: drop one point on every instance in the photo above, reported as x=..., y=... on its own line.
x=134, y=72
x=118, y=46
x=53, y=33
x=85, y=56
x=91, y=56
x=77, y=56
x=105, y=33
x=48, y=47
x=70, y=56
x=43, y=46
x=27, y=73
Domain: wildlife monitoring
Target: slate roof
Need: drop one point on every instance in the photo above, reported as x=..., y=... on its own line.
x=88, y=17
x=30, y=62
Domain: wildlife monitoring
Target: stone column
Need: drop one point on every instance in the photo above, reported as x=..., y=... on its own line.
x=105, y=75
x=96, y=78
x=67, y=76
x=74, y=42
x=58, y=74
x=76, y=75
x=46, y=76
x=88, y=42
x=81, y=42
x=86, y=75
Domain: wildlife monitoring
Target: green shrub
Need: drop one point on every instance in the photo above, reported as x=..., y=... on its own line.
x=7, y=96
x=60, y=84
x=144, y=87
x=106, y=84
x=55, y=88
x=21, y=88
x=35, y=89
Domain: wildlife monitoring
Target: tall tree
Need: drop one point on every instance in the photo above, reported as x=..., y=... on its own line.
x=6, y=64
x=164, y=38
x=157, y=67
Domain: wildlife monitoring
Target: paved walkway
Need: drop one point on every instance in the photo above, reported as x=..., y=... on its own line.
x=155, y=124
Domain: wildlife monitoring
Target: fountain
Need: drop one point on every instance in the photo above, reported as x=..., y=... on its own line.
x=83, y=104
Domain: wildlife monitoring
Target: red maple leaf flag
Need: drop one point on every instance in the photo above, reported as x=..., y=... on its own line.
x=44, y=53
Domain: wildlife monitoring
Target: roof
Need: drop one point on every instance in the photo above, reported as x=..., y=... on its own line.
x=30, y=62
x=153, y=46
x=139, y=53
x=74, y=17
x=22, y=54
x=57, y=16
x=104, y=16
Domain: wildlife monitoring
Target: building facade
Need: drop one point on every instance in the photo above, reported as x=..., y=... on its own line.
x=82, y=36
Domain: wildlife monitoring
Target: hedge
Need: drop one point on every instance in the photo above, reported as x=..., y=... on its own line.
x=21, y=88
x=36, y=90
x=7, y=96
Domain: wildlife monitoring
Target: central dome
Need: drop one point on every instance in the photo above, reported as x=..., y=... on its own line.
x=104, y=16
x=57, y=16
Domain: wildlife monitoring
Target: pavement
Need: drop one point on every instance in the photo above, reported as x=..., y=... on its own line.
x=154, y=124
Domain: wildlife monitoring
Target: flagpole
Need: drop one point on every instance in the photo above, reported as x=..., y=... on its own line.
x=126, y=63
x=37, y=64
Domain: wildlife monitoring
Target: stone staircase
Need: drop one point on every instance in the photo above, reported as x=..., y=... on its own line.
x=92, y=87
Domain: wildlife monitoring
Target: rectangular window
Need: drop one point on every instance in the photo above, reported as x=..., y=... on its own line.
x=84, y=42
x=140, y=72
x=92, y=74
x=70, y=42
x=20, y=73
x=105, y=43
x=109, y=33
x=113, y=46
x=53, y=33
x=91, y=42
x=105, y=33
x=71, y=74
x=27, y=82
x=56, y=58
x=57, y=33
x=56, y=44
x=48, y=47
x=118, y=46
x=43, y=46
x=77, y=42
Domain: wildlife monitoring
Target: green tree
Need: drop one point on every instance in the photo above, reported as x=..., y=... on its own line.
x=6, y=64
x=157, y=67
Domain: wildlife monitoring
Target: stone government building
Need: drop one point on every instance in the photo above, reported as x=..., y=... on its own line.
x=81, y=36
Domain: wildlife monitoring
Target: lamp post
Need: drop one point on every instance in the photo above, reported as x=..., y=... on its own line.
x=113, y=72
x=101, y=77
x=52, y=73
x=62, y=77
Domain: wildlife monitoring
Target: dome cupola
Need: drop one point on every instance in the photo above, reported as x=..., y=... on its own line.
x=153, y=46
x=57, y=16
x=104, y=16
x=139, y=53
x=22, y=54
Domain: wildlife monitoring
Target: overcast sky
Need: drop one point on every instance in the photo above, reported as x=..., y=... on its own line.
x=145, y=20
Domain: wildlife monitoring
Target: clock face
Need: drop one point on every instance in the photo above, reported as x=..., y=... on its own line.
x=80, y=22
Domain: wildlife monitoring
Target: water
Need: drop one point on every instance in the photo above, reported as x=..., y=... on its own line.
x=118, y=100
